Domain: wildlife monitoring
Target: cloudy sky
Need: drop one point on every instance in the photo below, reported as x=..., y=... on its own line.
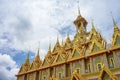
x=28, y=24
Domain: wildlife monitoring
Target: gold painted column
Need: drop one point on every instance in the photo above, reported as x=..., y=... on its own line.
x=83, y=66
x=65, y=75
x=105, y=60
x=54, y=72
x=91, y=65
x=71, y=69
x=115, y=59
x=40, y=75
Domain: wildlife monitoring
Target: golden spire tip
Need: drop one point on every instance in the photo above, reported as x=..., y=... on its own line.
x=79, y=9
x=49, y=45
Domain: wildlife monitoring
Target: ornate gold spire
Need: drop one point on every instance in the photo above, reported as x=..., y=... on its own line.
x=80, y=23
x=49, y=49
x=79, y=9
x=93, y=27
x=38, y=55
x=57, y=43
x=27, y=61
x=62, y=42
x=115, y=25
x=36, y=62
x=68, y=39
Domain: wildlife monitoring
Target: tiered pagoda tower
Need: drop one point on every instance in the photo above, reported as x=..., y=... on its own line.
x=87, y=57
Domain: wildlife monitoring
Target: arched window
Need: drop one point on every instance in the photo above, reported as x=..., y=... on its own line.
x=99, y=66
x=78, y=70
x=112, y=62
x=60, y=75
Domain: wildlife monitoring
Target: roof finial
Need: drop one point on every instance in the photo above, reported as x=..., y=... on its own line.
x=28, y=58
x=57, y=38
x=38, y=52
x=93, y=24
x=39, y=46
x=49, y=45
x=28, y=55
x=67, y=34
x=115, y=25
x=113, y=19
x=62, y=41
x=79, y=9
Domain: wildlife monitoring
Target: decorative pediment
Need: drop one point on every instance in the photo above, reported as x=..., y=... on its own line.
x=94, y=34
x=48, y=58
x=21, y=69
x=32, y=66
x=95, y=46
x=45, y=63
x=26, y=65
x=68, y=43
x=116, y=35
x=59, y=58
x=56, y=47
x=116, y=40
x=24, y=68
x=76, y=53
x=106, y=74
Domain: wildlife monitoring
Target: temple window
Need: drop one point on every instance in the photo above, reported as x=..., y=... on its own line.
x=60, y=75
x=51, y=72
x=111, y=63
x=44, y=78
x=99, y=66
x=25, y=78
x=68, y=70
x=37, y=76
x=78, y=70
x=87, y=66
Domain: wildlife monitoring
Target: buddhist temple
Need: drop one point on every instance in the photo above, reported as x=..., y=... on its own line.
x=87, y=56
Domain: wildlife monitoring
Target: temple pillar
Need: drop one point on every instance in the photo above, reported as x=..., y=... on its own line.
x=116, y=63
x=83, y=66
x=40, y=75
x=105, y=60
x=91, y=65
x=54, y=72
x=65, y=75
x=71, y=69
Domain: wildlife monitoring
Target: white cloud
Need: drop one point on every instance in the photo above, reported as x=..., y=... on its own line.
x=8, y=67
x=31, y=21
x=28, y=22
